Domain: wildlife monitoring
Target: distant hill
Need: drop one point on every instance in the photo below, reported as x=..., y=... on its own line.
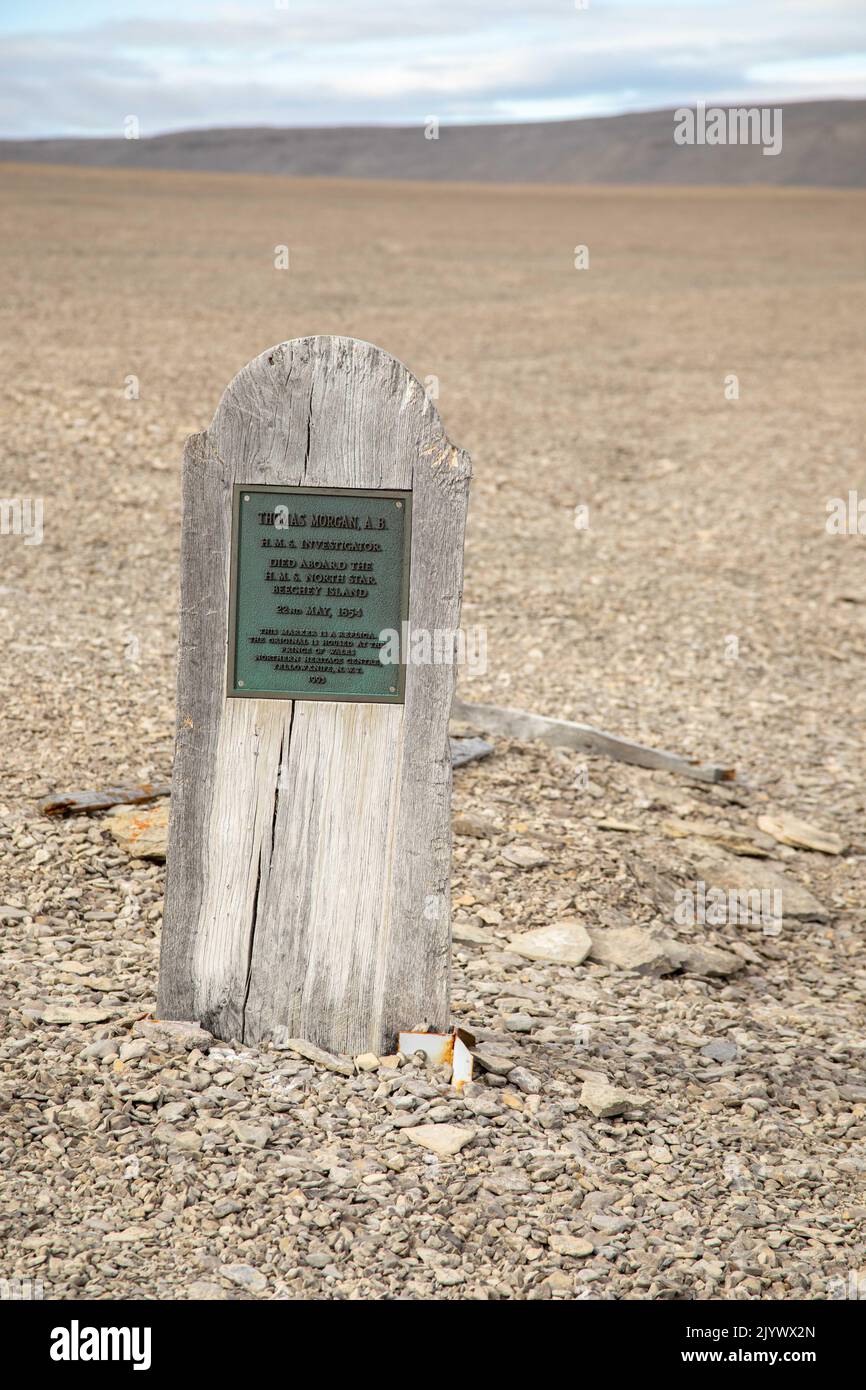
x=824, y=144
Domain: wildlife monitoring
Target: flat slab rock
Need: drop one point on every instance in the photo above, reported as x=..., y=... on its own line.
x=174, y=1033
x=748, y=844
x=567, y=942
x=467, y=750
x=463, y=933
x=344, y=1066
x=571, y=1246
x=524, y=856
x=604, y=1099
x=74, y=1013
x=635, y=948
x=800, y=834
x=444, y=1140
x=141, y=831
x=732, y=875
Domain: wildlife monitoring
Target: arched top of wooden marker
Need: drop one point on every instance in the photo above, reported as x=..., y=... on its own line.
x=333, y=411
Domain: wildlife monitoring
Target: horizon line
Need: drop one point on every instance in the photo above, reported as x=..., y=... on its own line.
x=459, y=124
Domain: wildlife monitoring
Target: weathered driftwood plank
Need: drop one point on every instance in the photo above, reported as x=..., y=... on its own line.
x=563, y=733
x=85, y=802
x=309, y=848
x=463, y=751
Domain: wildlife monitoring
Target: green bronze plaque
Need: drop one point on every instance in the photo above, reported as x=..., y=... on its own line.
x=319, y=593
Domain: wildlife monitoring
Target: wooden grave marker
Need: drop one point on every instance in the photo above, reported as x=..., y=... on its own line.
x=308, y=870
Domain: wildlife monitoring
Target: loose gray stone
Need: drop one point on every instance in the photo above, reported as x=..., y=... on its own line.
x=566, y=942
x=106, y=1047
x=80, y=1114
x=720, y=1050
x=492, y=1061
x=62, y=1013
x=508, y=1180
x=201, y=1290
x=175, y=1033
x=604, y=1099
x=631, y=948
x=257, y=1136
x=573, y=1246
x=525, y=1081
x=245, y=1276
x=344, y=1066
x=524, y=856
x=444, y=1139
x=465, y=934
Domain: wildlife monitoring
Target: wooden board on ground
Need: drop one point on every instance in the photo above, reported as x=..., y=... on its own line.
x=564, y=733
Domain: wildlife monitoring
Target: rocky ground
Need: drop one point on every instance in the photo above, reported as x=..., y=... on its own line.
x=675, y=1109
x=662, y=1125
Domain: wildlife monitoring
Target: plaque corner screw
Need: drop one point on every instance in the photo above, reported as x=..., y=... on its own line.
x=240, y=683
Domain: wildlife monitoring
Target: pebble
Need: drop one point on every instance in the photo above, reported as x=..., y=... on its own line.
x=604, y=1099
x=183, y=1036
x=568, y=942
x=573, y=1246
x=342, y=1065
x=70, y=1013
x=463, y=933
x=720, y=1050
x=524, y=856
x=525, y=1081
x=201, y=1290
x=245, y=1276
x=477, y=826
x=81, y=1114
x=442, y=1139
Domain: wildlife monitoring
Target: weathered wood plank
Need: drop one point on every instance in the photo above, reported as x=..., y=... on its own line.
x=563, y=733
x=309, y=847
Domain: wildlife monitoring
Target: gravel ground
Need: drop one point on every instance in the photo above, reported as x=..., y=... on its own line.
x=150, y=1163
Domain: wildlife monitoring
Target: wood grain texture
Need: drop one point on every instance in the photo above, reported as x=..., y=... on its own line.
x=308, y=884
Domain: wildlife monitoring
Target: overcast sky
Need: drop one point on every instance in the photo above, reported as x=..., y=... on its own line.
x=79, y=67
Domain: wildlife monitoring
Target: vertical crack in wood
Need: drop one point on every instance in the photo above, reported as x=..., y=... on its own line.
x=285, y=741
x=285, y=744
x=309, y=432
x=250, y=942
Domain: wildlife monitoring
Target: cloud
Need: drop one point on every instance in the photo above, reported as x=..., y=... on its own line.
x=338, y=62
